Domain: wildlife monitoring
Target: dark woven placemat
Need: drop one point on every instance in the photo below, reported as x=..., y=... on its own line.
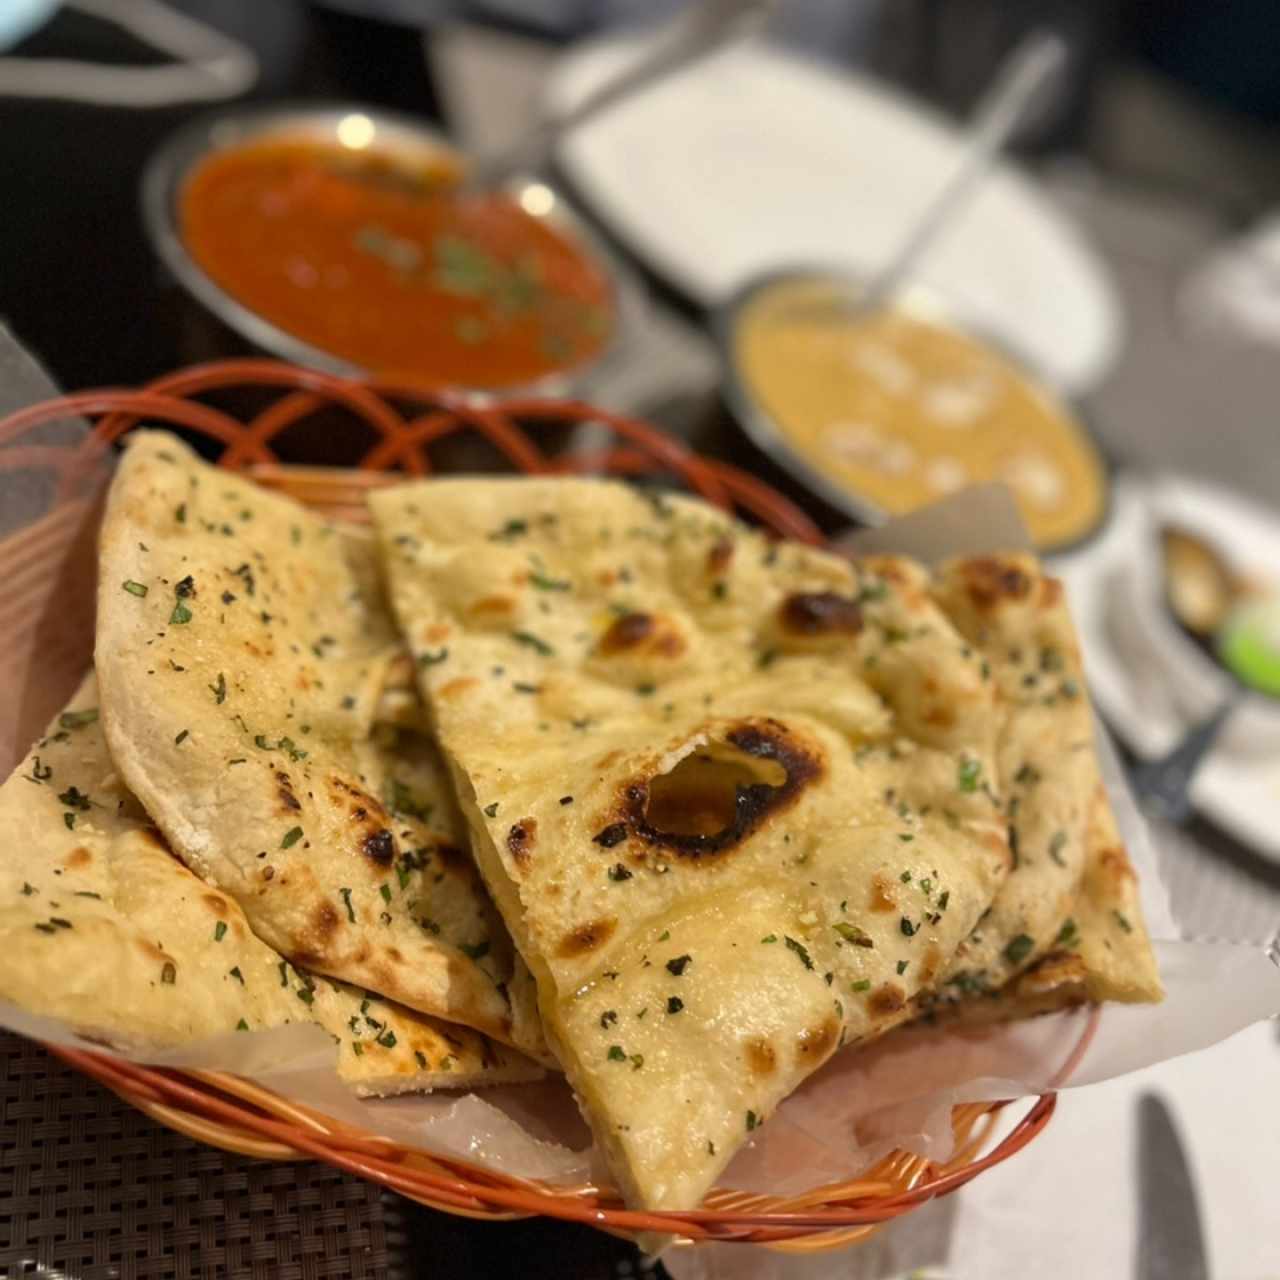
x=91, y=1189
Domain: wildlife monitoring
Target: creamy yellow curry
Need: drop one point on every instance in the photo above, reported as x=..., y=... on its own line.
x=898, y=410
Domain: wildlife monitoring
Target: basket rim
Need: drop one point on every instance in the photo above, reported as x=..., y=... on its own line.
x=228, y=1111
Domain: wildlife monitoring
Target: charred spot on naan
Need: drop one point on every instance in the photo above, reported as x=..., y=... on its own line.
x=373, y=836
x=716, y=796
x=587, y=937
x=642, y=634
x=78, y=858
x=989, y=580
x=762, y=1058
x=887, y=999
x=284, y=790
x=521, y=839
x=815, y=1044
x=820, y=614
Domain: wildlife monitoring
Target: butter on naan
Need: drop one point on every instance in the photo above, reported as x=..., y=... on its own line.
x=734, y=798
x=101, y=927
x=241, y=648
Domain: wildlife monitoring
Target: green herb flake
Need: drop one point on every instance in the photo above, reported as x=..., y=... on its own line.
x=1068, y=935
x=752, y=1121
x=432, y=657
x=968, y=775
x=863, y=984
x=78, y=719
x=1123, y=921
x=1019, y=948
x=530, y=641
x=853, y=935
x=799, y=949
x=678, y=965
x=905, y=877
x=674, y=1004
x=169, y=974
x=769, y=937
x=902, y=966
x=291, y=837
x=219, y=689
x=619, y=873
x=219, y=931
x=491, y=810
x=907, y=927
x=284, y=973
x=242, y=1025
x=1056, y=846
x=420, y=1058
x=385, y=890
x=234, y=971
x=616, y=1053
x=135, y=588
x=180, y=615
x=182, y=737
x=387, y=1039
x=346, y=898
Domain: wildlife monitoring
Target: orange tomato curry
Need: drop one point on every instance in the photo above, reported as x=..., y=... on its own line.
x=378, y=262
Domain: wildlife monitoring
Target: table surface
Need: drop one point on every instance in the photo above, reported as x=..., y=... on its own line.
x=89, y=1187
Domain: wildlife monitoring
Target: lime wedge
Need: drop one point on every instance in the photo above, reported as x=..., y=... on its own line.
x=1249, y=645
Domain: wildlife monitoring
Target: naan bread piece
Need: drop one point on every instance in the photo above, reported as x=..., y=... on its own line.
x=101, y=927
x=1068, y=856
x=1101, y=952
x=732, y=797
x=399, y=703
x=241, y=650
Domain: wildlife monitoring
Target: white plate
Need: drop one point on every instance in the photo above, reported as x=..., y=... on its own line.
x=756, y=159
x=1148, y=680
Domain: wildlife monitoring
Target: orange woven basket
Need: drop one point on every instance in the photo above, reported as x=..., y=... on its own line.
x=48, y=568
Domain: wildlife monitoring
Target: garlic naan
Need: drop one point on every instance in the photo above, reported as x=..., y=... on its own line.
x=241, y=649
x=735, y=799
x=101, y=927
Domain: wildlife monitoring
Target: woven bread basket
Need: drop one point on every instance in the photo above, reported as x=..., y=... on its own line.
x=270, y=411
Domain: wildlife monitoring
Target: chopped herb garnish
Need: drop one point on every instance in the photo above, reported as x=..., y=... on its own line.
x=522, y=686
x=1056, y=846
x=543, y=583
x=852, y=934
x=531, y=641
x=902, y=966
x=799, y=949
x=769, y=937
x=968, y=775
x=1068, y=935
x=616, y=1053
x=646, y=690
x=512, y=529
x=905, y=877
x=27, y=890
x=219, y=689
x=1028, y=775
x=74, y=799
x=284, y=973
x=491, y=810
x=242, y=1025
x=943, y=899
x=169, y=974
x=78, y=719
x=182, y=737
x=863, y=984
x=385, y=890
x=181, y=614
x=1123, y=921
x=752, y=1121
x=387, y=1039
x=421, y=1058
x=608, y=1018
x=291, y=837
x=1019, y=948
x=70, y=819
x=234, y=971
x=306, y=994
x=219, y=931
x=135, y=588
x=346, y=898
x=431, y=657
x=907, y=927
x=619, y=872
x=678, y=965
x=674, y=1004
x=476, y=950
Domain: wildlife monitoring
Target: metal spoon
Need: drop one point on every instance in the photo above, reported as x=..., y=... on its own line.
x=1021, y=80
x=694, y=34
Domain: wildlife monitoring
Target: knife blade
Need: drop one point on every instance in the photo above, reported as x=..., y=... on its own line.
x=1170, y=1237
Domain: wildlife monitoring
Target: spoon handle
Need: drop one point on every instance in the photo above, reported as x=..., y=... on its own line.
x=690, y=36
x=1036, y=60
x=1163, y=787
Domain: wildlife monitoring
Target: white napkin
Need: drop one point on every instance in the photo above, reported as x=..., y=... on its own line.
x=1067, y=1206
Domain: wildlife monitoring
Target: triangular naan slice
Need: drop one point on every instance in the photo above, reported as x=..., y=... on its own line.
x=102, y=927
x=1017, y=617
x=732, y=797
x=241, y=650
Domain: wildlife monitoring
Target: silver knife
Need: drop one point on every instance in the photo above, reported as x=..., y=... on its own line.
x=1170, y=1238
